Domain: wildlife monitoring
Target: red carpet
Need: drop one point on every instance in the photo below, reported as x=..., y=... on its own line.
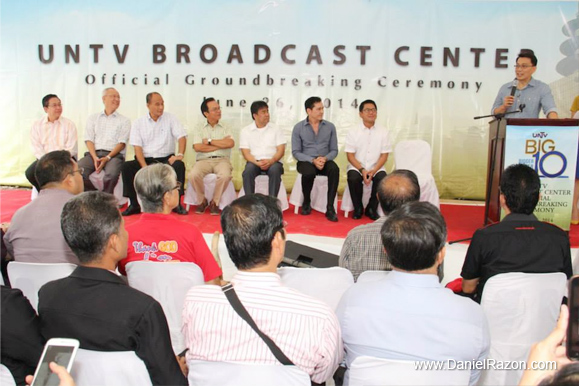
x=462, y=220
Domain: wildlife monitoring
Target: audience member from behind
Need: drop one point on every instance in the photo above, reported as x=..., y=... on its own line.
x=363, y=250
x=21, y=342
x=97, y=307
x=34, y=235
x=520, y=242
x=305, y=329
x=158, y=236
x=409, y=315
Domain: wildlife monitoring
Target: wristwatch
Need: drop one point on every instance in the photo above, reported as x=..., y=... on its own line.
x=209, y=141
x=108, y=156
x=179, y=154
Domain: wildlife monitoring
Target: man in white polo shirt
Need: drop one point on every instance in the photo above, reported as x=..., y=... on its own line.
x=367, y=149
x=154, y=137
x=106, y=136
x=263, y=146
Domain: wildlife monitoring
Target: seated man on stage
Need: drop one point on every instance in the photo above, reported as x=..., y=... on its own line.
x=363, y=249
x=525, y=90
x=520, y=242
x=153, y=137
x=314, y=146
x=105, y=136
x=159, y=237
x=367, y=148
x=34, y=235
x=409, y=315
x=212, y=142
x=94, y=304
x=263, y=146
x=304, y=329
x=53, y=132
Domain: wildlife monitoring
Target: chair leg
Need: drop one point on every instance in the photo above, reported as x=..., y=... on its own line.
x=297, y=208
x=346, y=213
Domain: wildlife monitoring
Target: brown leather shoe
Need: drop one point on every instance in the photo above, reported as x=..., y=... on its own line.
x=214, y=209
x=201, y=207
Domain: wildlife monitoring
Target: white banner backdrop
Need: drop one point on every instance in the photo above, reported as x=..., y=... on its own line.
x=431, y=66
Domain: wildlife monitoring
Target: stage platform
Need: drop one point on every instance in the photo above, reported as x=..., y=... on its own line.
x=462, y=219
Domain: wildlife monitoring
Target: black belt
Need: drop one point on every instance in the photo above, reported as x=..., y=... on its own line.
x=214, y=156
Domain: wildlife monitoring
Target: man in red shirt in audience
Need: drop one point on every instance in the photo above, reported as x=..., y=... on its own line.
x=158, y=236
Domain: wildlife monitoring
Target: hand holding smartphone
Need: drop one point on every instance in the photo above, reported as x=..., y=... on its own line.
x=59, y=350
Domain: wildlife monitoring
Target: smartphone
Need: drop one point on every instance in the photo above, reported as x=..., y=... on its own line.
x=573, y=326
x=59, y=350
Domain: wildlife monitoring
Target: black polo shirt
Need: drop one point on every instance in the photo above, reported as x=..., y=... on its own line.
x=519, y=243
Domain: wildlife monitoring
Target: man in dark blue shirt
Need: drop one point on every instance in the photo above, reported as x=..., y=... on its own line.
x=314, y=146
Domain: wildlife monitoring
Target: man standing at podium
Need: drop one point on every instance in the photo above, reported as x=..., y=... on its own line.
x=525, y=93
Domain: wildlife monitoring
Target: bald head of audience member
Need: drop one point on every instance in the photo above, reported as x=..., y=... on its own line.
x=414, y=238
x=157, y=188
x=95, y=230
x=58, y=170
x=397, y=188
x=254, y=233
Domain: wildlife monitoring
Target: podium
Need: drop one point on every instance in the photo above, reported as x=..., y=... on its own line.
x=534, y=142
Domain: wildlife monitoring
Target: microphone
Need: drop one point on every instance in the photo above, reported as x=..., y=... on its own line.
x=514, y=87
x=522, y=107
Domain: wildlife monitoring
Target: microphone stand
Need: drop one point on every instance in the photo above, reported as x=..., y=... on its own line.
x=499, y=118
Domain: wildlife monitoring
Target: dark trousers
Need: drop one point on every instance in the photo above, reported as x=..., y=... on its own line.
x=356, y=186
x=252, y=171
x=130, y=168
x=309, y=172
x=111, y=170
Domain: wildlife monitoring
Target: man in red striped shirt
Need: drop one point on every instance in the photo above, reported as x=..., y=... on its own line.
x=305, y=329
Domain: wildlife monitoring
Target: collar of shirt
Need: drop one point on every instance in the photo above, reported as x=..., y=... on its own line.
x=322, y=122
x=256, y=279
x=367, y=128
x=99, y=274
x=156, y=216
x=113, y=114
x=209, y=127
x=152, y=120
x=409, y=279
x=254, y=127
x=532, y=83
x=520, y=217
x=55, y=192
x=45, y=119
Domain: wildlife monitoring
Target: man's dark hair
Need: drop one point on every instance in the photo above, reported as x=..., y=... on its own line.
x=249, y=225
x=367, y=101
x=204, y=108
x=47, y=99
x=399, y=187
x=311, y=101
x=567, y=375
x=53, y=167
x=256, y=106
x=150, y=96
x=413, y=235
x=526, y=53
x=87, y=222
x=520, y=185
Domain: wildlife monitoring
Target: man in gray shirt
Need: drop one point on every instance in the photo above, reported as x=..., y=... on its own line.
x=314, y=146
x=34, y=235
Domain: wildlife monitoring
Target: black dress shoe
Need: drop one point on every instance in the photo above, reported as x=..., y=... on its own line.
x=358, y=214
x=372, y=214
x=306, y=209
x=180, y=210
x=131, y=210
x=331, y=215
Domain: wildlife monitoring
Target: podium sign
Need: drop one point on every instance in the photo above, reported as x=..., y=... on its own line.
x=552, y=151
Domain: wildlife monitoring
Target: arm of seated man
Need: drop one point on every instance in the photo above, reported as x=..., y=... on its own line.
x=469, y=286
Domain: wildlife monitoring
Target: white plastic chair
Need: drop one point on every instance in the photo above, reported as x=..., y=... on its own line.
x=97, y=180
x=368, y=276
x=227, y=197
x=521, y=309
x=319, y=194
x=168, y=283
x=347, y=204
x=29, y=277
x=416, y=155
x=205, y=373
x=6, y=378
x=325, y=284
x=262, y=186
x=386, y=372
x=112, y=368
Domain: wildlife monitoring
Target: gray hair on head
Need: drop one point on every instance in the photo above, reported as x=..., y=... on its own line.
x=151, y=184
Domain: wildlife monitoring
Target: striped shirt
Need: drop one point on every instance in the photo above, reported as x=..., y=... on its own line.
x=107, y=131
x=157, y=138
x=206, y=131
x=50, y=136
x=305, y=329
